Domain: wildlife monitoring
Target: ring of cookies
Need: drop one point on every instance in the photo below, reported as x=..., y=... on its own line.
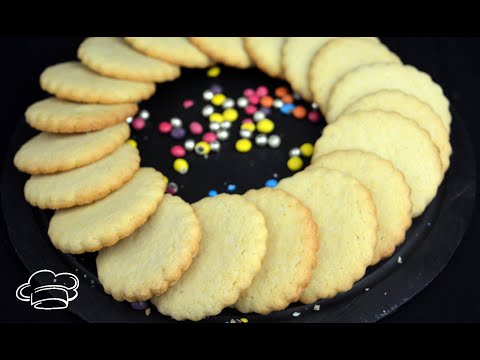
x=377, y=165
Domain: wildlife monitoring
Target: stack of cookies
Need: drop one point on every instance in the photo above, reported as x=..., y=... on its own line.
x=378, y=163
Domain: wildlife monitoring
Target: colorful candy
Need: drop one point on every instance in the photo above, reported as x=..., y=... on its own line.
x=172, y=188
x=208, y=110
x=132, y=142
x=281, y=91
x=164, y=127
x=144, y=114
x=248, y=126
x=295, y=152
x=242, y=102
x=254, y=100
x=129, y=120
x=295, y=164
x=213, y=193
x=181, y=166
x=187, y=104
x=313, y=117
x=176, y=122
x=208, y=95
x=287, y=109
x=215, y=146
x=178, y=133
x=258, y=116
x=266, y=101
x=299, y=112
x=274, y=141
x=216, y=89
x=277, y=104
x=266, y=126
x=138, y=123
x=249, y=92
x=267, y=111
x=214, y=126
x=261, y=140
x=196, y=128
x=262, y=91
x=139, y=305
x=231, y=188
x=228, y=103
x=287, y=99
x=250, y=110
x=223, y=135
x=218, y=99
x=271, y=183
x=243, y=145
x=214, y=72
x=178, y=151
x=202, y=148
x=216, y=117
x=246, y=134
x=189, y=145
x=209, y=137
x=307, y=150
x=230, y=115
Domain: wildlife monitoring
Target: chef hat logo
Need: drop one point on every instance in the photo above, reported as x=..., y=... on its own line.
x=58, y=291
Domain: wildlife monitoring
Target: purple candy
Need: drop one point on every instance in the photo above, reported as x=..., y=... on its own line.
x=266, y=111
x=139, y=305
x=216, y=89
x=178, y=133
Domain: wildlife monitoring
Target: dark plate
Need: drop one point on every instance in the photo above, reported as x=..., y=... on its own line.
x=430, y=243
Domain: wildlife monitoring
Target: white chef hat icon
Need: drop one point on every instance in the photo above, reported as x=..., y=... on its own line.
x=60, y=290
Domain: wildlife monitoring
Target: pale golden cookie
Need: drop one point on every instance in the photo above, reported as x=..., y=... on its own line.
x=154, y=257
x=345, y=214
x=266, y=53
x=291, y=256
x=60, y=116
x=392, y=137
x=75, y=82
x=410, y=107
x=340, y=56
x=175, y=50
x=389, y=190
x=226, y=50
x=234, y=240
x=369, y=79
x=49, y=153
x=85, y=184
x=91, y=227
x=113, y=57
x=297, y=56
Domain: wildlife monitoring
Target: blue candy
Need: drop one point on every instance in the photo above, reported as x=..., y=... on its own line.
x=231, y=187
x=271, y=183
x=287, y=109
x=213, y=193
x=139, y=305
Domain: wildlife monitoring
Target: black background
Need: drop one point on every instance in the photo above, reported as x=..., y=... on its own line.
x=453, y=62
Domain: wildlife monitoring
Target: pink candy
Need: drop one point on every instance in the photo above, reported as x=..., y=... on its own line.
x=209, y=137
x=248, y=92
x=247, y=121
x=254, y=100
x=313, y=116
x=196, y=128
x=165, y=127
x=138, y=123
x=250, y=110
x=262, y=91
x=178, y=151
x=187, y=104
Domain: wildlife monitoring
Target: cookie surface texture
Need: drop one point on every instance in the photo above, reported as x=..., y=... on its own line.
x=397, y=139
x=345, y=215
x=233, y=244
x=83, y=185
x=389, y=190
x=266, y=53
x=48, y=153
x=147, y=262
x=103, y=223
x=175, y=50
x=73, y=81
x=226, y=50
x=291, y=256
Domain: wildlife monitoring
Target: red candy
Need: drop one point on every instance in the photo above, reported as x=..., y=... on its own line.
x=165, y=127
x=209, y=137
x=248, y=92
x=247, y=121
x=178, y=151
x=187, y=104
x=262, y=91
x=138, y=123
x=313, y=116
x=254, y=100
x=196, y=128
x=250, y=110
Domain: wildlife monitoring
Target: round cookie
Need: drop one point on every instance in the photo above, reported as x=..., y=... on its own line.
x=60, y=116
x=75, y=82
x=345, y=214
x=226, y=50
x=369, y=79
x=340, y=56
x=266, y=53
x=91, y=227
x=83, y=185
x=389, y=190
x=410, y=107
x=175, y=50
x=113, y=57
x=297, y=56
x=234, y=239
x=392, y=137
x=154, y=257
x=291, y=256
x=49, y=153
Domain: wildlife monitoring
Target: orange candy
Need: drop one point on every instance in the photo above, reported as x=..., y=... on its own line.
x=266, y=101
x=299, y=112
x=281, y=91
x=287, y=99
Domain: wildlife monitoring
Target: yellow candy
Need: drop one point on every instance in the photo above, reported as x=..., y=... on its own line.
x=214, y=72
x=248, y=126
x=202, y=148
x=165, y=179
x=218, y=99
x=216, y=117
x=266, y=126
x=132, y=142
x=181, y=166
x=243, y=145
x=230, y=115
x=244, y=320
x=295, y=164
x=307, y=150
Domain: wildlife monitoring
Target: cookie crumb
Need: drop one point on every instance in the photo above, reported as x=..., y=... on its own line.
x=385, y=293
x=232, y=321
x=148, y=311
x=400, y=260
x=367, y=289
x=296, y=314
x=316, y=308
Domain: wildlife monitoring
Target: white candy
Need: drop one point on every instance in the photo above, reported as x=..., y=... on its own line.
x=314, y=106
x=228, y=103
x=189, y=145
x=208, y=110
x=207, y=95
x=176, y=122
x=214, y=126
x=129, y=120
x=215, y=146
x=246, y=134
x=261, y=140
x=242, y=102
x=223, y=135
x=277, y=103
x=258, y=116
x=274, y=141
x=226, y=125
x=144, y=114
x=295, y=152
